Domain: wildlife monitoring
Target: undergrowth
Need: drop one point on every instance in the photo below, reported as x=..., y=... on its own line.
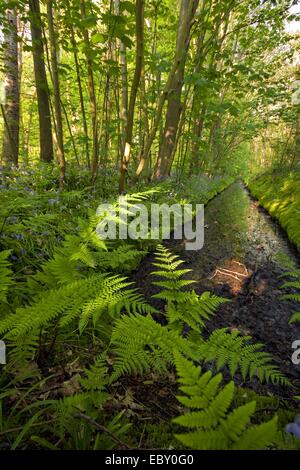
x=84, y=346
x=279, y=194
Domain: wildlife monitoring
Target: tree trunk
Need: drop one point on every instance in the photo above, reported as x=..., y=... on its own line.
x=57, y=98
x=124, y=84
x=46, y=142
x=174, y=108
x=11, y=109
x=80, y=91
x=92, y=95
x=134, y=89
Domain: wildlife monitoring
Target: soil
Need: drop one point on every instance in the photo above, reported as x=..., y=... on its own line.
x=239, y=261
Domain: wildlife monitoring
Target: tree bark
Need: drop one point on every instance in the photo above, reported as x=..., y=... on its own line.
x=134, y=89
x=92, y=95
x=187, y=12
x=124, y=84
x=81, y=99
x=46, y=142
x=11, y=109
x=57, y=98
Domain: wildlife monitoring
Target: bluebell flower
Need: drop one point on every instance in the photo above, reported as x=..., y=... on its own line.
x=52, y=201
x=294, y=428
x=18, y=236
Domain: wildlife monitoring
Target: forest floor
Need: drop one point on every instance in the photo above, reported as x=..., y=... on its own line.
x=239, y=262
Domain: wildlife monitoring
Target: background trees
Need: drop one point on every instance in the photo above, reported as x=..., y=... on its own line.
x=151, y=87
x=11, y=108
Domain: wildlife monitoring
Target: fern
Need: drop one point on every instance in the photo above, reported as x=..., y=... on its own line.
x=293, y=272
x=150, y=347
x=96, y=376
x=295, y=318
x=235, y=351
x=183, y=307
x=5, y=275
x=212, y=421
x=122, y=259
x=84, y=300
x=141, y=344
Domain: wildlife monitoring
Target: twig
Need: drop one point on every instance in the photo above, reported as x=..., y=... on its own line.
x=241, y=264
x=227, y=272
x=234, y=272
x=101, y=428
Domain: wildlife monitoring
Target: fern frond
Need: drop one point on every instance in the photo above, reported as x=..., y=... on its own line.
x=141, y=344
x=83, y=300
x=183, y=307
x=258, y=437
x=235, y=351
x=295, y=318
x=96, y=376
x=293, y=272
x=295, y=284
x=294, y=297
x=214, y=424
x=5, y=275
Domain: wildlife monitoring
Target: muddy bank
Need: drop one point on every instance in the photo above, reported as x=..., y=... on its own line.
x=238, y=261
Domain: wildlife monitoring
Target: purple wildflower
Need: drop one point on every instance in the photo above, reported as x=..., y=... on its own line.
x=294, y=428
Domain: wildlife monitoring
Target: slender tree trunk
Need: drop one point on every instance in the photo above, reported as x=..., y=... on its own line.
x=57, y=98
x=187, y=13
x=134, y=89
x=297, y=142
x=124, y=85
x=198, y=110
x=181, y=127
x=27, y=133
x=11, y=109
x=92, y=95
x=124, y=93
x=46, y=142
x=21, y=31
x=296, y=156
x=197, y=134
x=81, y=99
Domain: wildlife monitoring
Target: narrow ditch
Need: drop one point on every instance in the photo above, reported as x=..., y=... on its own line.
x=239, y=261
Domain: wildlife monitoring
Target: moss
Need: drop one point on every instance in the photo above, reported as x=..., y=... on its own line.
x=279, y=194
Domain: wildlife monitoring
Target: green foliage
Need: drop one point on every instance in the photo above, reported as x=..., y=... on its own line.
x=151, y=346
x=83, y=300
x=183, y=306
x=5, y=275
x=64, y=296
x=238, y=353
x=212, y=420
x=291, y=272
x=279, y=193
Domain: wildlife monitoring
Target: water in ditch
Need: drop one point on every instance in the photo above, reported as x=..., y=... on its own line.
x=239, y=261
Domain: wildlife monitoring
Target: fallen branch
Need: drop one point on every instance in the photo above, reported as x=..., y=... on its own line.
x=233, y=272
